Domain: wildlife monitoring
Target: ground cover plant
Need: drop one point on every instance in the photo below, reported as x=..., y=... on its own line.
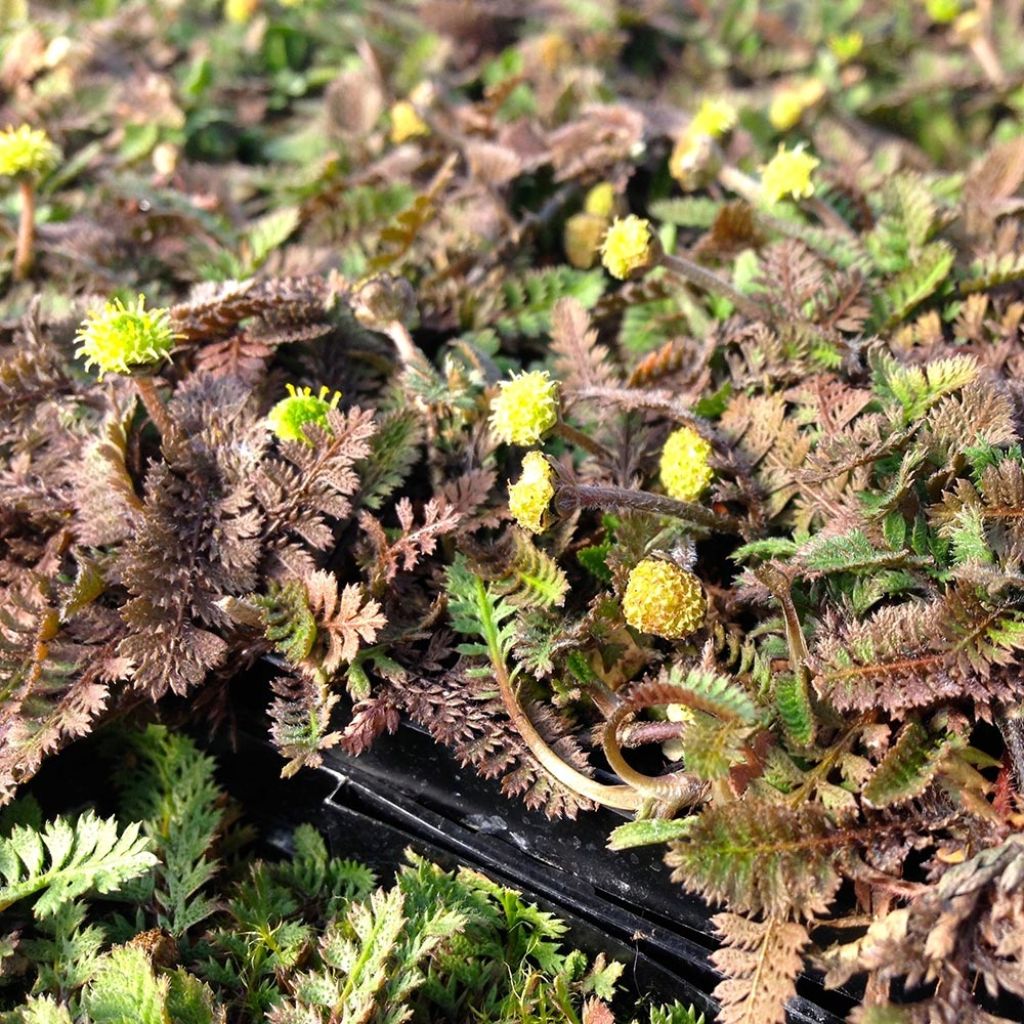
x=569, y=381
x=163, y=913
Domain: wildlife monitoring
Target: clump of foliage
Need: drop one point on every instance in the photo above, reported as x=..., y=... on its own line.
x=106, y=922
x=731, y=299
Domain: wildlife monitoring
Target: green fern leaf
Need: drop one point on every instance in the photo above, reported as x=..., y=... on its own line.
x=288, y=620
x=40, y=1010
x=709, y=692
x=126, y=991
x=908, y=767
x=915, y=284
x=759, y=857
x=793, y=703
x=534, y=579
x=530, y=299
x=68, y=858
x=675, y=1013
x=476, y=611
x=992, y=271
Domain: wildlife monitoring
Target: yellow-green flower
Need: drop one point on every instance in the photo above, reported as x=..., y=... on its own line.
x=663, y=599
x=788, y=173
x=846, y=46
x=791, y=100
x=629, y=247
x=530, y=495
x=685, y=472
x=601, y=200
x=292, y=414
x=118, y=337
x=26, y=150
x=943, y=11
x=715, y=117
x=406, y=122
x=525, y=408
x=238, y=12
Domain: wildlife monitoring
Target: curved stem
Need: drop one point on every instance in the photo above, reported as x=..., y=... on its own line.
x=679, y=787
x=623, y=797
x=23, y=252
x=571, y=496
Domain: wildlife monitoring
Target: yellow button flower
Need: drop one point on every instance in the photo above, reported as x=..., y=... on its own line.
x=406, y=123
x=530, y=495
x=118, y=337
x=582, y=238
x=685, y=472
x=525, y=408
x=664, y=600
x=238, y=12
x=715, y=117
x=629, y=247
x=26, y=151
x=788, y=173
x=601, y=200
x=292, y=414
x=791, y=100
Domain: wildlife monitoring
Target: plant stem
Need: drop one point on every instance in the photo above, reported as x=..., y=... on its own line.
x=625, y=798
x=1013, y=738
x=711, y=282
x=578, y=438
x=154, y=406
x=681, y=788
x=23, y=252
x=571, y=496
x=622, y=797
x=408, y=351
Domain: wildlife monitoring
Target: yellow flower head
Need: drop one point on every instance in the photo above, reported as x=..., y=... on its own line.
x=629, y=247
x=685, y=473
x=525, y=408
x=406, y=123
x=664, y=600
x=715, y=117
x=600, y=200
x=791, y=100
x=693, y=160
x=582, y=238
x=846, y=46
x=238, y=12
x=288, y=418
x=788, y=173
x=118, y=337
x=530, y=495
x=26, y=150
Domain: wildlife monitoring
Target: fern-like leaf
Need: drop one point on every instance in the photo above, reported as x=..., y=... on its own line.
x=68, y=858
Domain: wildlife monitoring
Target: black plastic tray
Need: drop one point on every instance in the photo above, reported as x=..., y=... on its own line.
x=415, y=786
x=358, y=824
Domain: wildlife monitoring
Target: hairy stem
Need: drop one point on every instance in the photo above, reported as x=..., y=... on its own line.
x=622, y=797
x=578, y=438
x=154, y=406
x=625, y=798
x=23, y=252
x=571, y=496
x=680, y=788
x=711, y=282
